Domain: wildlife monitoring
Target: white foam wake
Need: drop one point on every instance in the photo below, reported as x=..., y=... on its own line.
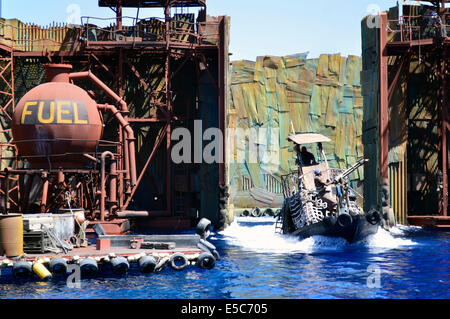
x=392, y=239
x=258, y=234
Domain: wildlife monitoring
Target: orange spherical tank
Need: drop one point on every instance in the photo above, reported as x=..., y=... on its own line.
x=55, y=123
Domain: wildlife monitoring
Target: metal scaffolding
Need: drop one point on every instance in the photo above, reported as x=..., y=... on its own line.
x=140, y=62
x=416, y=40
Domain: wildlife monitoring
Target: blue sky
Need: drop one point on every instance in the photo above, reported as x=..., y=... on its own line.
x=258, y=27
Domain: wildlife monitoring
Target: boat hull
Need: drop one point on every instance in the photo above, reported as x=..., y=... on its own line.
x=358, y=229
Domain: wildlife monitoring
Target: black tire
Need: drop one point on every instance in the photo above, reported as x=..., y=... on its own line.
x=222, y=217
x=269, y=212
x=210, y=246
x=285, y=214
x=245, y=213
x=256, y=212
x=216, y=254
x=147, y=264
x=206, y=261
x=203, y=247
x=223, y=189
x=296, y=211
x=329, y=221
x=223, y=212
x=88, y=266
x=22, y=269
x=178, y=261
x=373, y=217
x=120, y=265
x=203, y=227
x=58, y=266
x=344, y=220
x=74, y=241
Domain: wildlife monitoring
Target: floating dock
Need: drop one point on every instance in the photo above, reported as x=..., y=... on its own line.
x=149, y=253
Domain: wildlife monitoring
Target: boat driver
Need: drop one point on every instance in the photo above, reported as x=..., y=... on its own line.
x=323, y=191
x=304, y=157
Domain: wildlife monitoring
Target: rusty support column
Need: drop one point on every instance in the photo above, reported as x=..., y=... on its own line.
x=124, y=185
x=167, y=77
x=112, y=189
x=119, y=15
x=125, y=163
x=383, y=101
x=6, y=190
x=29, y=182
x=444, y=124
x=221, y=97
x=44, y=193
x=383, y=98
x=130, y=137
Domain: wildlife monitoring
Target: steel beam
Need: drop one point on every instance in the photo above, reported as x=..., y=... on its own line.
x=443, y=105
x=383, y=98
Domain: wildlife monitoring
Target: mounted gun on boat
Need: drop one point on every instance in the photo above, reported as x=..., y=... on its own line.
x=320, y=201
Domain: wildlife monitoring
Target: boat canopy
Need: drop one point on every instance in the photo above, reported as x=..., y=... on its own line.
x=308, y=138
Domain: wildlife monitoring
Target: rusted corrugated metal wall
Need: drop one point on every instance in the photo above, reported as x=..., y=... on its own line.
x=320, y=95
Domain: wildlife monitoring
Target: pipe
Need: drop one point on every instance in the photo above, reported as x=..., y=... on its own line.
x=89, y=75
x=132, y=213
x=130, y=138
x=131, y=168
x=60, y=177
x=127, y=166
x=6, y=191
x=56, y=72
x=44, y=193
x=112, y=186
x=92, y=158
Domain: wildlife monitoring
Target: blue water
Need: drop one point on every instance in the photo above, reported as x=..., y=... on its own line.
x=409, y=262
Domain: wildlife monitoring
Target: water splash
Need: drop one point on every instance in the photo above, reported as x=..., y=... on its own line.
x=392, y=239
x=258, y=234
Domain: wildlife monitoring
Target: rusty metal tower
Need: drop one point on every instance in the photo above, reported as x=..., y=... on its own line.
x=169, y=70
x=408, y=53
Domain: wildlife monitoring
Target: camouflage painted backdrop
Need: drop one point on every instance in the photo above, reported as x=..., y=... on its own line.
x=321, y=95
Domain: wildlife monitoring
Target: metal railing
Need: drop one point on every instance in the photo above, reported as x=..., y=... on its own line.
x=57, y=37
x=290, y=182
x=30, y=37
x=151, y=29
x=411, y=28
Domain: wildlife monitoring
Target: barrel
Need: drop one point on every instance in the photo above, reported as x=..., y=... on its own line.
x=11, y=235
